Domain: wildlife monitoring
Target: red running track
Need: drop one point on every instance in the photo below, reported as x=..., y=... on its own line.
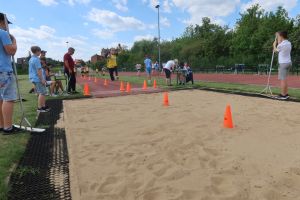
x=97, y=89
x=294, y=81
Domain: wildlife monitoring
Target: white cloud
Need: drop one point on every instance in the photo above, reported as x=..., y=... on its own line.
x=112, y=22
x=270, y=5
x=48, y=2
x=45, y=37
x=120, y=5
x=165, y=22
x=214, y=9
x=143, y=37
x=103, y=34
x=73, y=2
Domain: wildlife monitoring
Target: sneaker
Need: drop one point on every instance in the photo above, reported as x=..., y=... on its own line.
x=283, y=97
x=53, y=95
x=31, y=90
x=46, y=108
x=13, y=130
x=42, y=110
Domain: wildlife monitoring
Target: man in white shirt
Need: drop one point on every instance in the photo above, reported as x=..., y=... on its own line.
x=284, y=48
x=168, y=67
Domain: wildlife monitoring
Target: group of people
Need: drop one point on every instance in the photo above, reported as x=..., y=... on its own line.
x=40, y=76
x=39, y=72
x=171, y=66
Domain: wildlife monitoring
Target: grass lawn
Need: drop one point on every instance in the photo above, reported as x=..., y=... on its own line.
x=229, y=87
x=12, y=147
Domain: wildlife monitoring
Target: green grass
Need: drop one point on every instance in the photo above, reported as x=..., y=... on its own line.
x=12, y=147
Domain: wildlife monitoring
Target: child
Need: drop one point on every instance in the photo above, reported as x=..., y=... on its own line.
x=148, y=67
x=283, y=47
x=36, y=77
x=112, y=64
x=138, y=69
x=47, y=77
x=168, y=67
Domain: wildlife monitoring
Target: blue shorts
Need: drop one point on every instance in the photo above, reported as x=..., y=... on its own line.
x=40, y=88
x=8, y=86
x=148, y=70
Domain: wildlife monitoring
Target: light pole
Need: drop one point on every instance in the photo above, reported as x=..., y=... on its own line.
x=158, y=22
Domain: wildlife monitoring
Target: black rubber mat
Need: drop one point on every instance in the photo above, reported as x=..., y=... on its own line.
x=43, y=171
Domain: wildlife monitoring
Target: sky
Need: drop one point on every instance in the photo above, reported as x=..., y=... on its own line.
x=90, y=25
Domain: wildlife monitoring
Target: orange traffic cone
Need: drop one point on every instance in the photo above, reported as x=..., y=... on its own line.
x=128, y=87
x=145, y=85
x=86, y=90
x=105, y=82
x=154, y=84
x=122, y=88
x=96, y=80
x=166, y=99
x=228, y=118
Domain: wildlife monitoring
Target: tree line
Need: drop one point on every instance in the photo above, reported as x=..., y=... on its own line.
x=209, y=44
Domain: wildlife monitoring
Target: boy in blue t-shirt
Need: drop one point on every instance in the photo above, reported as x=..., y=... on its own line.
x=36, y=77
x=148, y=67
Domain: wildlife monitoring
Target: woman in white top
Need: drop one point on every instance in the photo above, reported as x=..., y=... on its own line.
x=284, y=48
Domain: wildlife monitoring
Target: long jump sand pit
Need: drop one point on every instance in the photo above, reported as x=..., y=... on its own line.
x=133, y=148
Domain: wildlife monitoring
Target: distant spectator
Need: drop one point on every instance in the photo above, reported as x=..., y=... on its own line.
x=138, y=69
x=148, y=67
x=156, y=67
x=8, y=93
x=69, y=66
x=36, y=77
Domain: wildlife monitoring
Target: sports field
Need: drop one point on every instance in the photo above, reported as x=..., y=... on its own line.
x=133, y=147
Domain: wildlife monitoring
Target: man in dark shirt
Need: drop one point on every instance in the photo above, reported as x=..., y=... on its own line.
x=69, y=70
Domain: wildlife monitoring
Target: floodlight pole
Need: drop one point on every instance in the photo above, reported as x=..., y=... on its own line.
x=158, y=24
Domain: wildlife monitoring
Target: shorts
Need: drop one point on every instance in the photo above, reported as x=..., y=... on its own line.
x=48, y=83
x=148, y=70
x=167, y=72
x=8, y=90
x=283, y=70
x=40, y=88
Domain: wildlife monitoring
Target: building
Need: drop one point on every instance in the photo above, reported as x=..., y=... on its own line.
x=22, y=62
x=95, y=58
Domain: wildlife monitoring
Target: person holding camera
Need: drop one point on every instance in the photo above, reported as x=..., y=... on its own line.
x=284, y=48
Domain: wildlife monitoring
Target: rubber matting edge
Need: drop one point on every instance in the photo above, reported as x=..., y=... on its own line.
x=43, y=171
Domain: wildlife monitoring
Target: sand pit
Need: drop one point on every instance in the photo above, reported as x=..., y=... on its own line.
x=133, y=148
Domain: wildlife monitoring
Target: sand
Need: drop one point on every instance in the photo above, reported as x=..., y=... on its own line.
x=133, y=148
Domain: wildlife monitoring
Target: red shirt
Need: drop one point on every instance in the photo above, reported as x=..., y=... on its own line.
x=69, y=59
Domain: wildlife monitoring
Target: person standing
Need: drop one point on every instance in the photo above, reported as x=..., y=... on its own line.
x=284, y=48
x=168, y=67
x=148, y=68
x=112, y=64
x=69, y=66
x=36, y=77
x=8, y=93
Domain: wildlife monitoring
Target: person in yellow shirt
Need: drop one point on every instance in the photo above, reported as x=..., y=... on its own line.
x=112, y=64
